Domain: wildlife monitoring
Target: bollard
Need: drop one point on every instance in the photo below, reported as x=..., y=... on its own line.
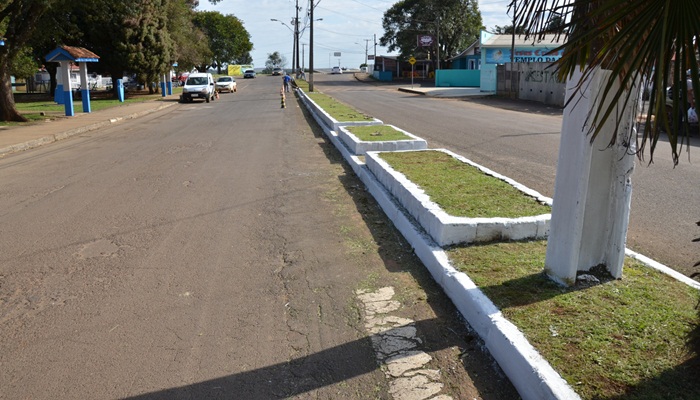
x=283, y=99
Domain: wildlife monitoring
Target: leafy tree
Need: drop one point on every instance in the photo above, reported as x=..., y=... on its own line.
x=274, y=60
x=455, y=22
x=508, y=30
x=229, y=41
x=25, y=64
x=191, y=46
x=18, y=21
x=148, y=43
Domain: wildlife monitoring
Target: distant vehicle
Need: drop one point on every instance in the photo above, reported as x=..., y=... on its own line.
x=249, y=73
x=277, y=71
x=336, y=70
x=198, y=86
x=363, y=69
x=226, y=83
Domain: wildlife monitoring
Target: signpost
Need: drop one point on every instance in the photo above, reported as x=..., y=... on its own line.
x=412, y=61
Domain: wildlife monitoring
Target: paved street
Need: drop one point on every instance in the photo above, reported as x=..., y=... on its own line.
x=217, y=250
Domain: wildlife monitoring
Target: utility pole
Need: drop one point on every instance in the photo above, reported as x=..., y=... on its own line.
x=374, y=64
x=311, y=47
x=366, y=49
x=296, y=40
x=302, y=56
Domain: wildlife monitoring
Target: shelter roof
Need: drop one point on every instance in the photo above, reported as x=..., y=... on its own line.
x=71, y=53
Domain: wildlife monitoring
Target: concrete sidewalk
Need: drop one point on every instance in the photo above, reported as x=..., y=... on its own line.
x=19, y=138
x=446, y=92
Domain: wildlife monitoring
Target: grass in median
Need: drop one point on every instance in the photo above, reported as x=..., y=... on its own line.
x=339, y=111
x=460, y=189
x=623, y=338
x=377, y=133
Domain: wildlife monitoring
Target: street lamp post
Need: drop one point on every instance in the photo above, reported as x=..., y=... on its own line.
x=294, y=37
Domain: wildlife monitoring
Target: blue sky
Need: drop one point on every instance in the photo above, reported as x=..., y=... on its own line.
x=345, y=27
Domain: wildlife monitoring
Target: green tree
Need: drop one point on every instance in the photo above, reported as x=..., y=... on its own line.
x=229, y=41
x=610, y=47
x=148, y=43
x=456, y=23
x=508, y=30
x=191, y=46
x=274, y=60
x=18, y=22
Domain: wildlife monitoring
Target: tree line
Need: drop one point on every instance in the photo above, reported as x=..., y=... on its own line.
x=144, y=37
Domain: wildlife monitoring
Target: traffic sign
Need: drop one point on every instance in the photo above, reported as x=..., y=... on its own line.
x=412, y=60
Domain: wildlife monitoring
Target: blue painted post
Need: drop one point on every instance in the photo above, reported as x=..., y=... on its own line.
x=120, y=90
x=85, y=87
x=170, y=83
x=162, y=85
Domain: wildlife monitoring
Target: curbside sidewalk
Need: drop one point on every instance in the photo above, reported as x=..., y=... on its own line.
x=19, y=138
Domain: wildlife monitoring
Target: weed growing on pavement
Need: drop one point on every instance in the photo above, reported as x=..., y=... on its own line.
x=377, y=133
x=337, y=110
x=620, y=338
x=460, y=189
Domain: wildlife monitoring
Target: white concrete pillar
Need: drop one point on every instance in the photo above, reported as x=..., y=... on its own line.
x=67, y=90
x=592, y=192
x=84, y=87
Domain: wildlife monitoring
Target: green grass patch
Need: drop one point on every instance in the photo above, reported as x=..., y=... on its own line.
x=377, y=133
x=339, y=111
x=460, y=189
x=623, y=338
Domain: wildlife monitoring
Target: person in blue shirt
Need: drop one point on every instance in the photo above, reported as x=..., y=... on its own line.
x=287, y=80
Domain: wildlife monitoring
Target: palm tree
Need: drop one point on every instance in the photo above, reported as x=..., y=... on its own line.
x=611, y=47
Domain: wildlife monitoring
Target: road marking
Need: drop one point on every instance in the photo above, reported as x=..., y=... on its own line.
x=397, y=347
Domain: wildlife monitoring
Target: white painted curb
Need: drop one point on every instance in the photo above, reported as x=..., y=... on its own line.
x=326, y=119
x=533, y=377
x=361, y=147
x=447, y=229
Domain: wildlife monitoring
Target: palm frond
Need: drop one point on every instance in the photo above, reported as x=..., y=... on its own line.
x=638, y=40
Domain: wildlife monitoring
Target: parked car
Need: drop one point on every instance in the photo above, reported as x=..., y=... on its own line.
x=249, y=73
x=336, y=70
x=226, y=83
x=200, y=86
x=277, y=71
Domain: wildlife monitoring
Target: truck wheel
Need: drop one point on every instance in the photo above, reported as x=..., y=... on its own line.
x=207, y=98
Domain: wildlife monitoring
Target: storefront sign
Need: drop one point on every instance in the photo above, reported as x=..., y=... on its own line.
x=522, y=55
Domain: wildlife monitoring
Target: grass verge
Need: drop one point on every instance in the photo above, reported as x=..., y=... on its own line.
x=377, y=133
x=460, y=189
x=339, y=111
x=619, y=339
x=32, y=110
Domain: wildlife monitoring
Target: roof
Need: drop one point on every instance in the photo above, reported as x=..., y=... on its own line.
x=70, y=53
x=467, y=51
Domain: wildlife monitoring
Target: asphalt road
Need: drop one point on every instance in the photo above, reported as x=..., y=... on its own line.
x=521, y=140
x=208, y=251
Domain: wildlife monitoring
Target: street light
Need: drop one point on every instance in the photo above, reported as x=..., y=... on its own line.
x=294, y=39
